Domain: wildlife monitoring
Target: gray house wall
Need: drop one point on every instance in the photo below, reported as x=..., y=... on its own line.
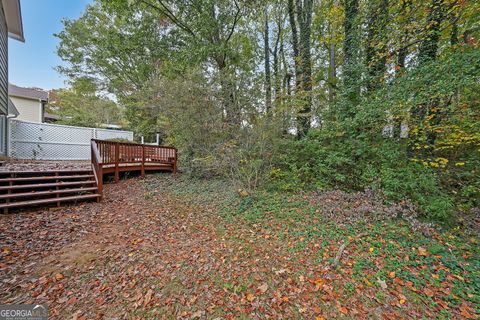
x=3, y=63
x=3, y=81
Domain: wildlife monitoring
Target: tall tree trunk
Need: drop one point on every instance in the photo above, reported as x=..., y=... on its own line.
x=429, y=46
x=351, y=52
x=304, y=18
x=427, y=53
x=454, y=34
x=276, y=66
x=293, y=26
x=301, y=12
x=332, y=69
x=376, y=55
x=232, y=115
x=268, y=80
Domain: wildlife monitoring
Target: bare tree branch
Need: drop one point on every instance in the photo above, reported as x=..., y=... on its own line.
x=163, y=8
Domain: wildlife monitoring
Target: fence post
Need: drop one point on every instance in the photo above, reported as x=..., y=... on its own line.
x=8, y=125
x=117, y=151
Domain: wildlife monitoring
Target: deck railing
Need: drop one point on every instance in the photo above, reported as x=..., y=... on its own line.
x=121, y=155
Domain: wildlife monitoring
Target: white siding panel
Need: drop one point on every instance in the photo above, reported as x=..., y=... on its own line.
x=29, y=109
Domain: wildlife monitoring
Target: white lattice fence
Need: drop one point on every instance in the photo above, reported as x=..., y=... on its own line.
x=42, y=141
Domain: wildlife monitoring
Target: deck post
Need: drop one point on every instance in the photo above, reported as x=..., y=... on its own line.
x=117, y=160
x=57, y=188
x=175, y=162
x=143, y=162
x=100, y=182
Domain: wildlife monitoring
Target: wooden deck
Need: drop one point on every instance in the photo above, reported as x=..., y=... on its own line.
x=40, y=184
x=115, y=157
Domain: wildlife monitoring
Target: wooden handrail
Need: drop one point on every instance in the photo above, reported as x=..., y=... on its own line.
x=133, y=144
x=113, y=156
x=97, y=168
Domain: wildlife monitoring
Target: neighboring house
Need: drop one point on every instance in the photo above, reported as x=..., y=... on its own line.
x=30, y=103
x=10, y=27
x=50, y=117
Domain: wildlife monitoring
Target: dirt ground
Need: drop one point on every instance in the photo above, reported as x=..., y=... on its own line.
x=116, y=259
x=144, y=253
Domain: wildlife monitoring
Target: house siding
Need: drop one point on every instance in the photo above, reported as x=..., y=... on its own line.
x=29, y=109
x=3, y=62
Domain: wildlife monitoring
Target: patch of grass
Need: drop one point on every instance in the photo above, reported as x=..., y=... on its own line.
x=388, y=251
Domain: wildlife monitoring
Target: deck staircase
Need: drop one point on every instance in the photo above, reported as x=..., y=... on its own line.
x=32, y=188
x=28, y=189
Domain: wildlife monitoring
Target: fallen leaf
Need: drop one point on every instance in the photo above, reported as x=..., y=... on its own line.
x=72, y=300
x=319, y=283
x=343, y=310
x=422, y=251
x=428, y=292
x=263, y=288
x=250, y=297
x=59, y=276
x=198, y=314
x=391, y=275
x=382, y=283
x=148, y=297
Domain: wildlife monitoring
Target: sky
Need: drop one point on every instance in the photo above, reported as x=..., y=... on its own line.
x=31, y=64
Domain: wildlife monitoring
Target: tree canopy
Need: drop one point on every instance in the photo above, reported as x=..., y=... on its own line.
x=298, y=94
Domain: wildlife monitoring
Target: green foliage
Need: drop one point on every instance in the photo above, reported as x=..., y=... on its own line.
x=352, y=154
x=389, y=88
x=118, y=47
x=81, y=105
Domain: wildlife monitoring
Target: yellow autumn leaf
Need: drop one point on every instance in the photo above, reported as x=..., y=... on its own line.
x=422, y=251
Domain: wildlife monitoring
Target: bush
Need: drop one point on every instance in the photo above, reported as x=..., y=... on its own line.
x=436, y=166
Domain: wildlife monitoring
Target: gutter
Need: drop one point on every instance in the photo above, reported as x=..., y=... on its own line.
x=15, y=113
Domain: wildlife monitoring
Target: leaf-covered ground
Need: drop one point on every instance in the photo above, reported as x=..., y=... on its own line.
x=165, y=248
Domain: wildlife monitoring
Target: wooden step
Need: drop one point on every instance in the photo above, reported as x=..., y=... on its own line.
x=46, y=172
x=47, y=201
x=86, y=176
x=45, y=193
x=47, y=185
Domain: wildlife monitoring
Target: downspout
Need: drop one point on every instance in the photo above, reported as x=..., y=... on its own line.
x=7, y=129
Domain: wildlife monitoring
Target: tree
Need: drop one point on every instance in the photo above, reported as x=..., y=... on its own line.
x=210, y=27
x=351, y=52
x=268, y=81
x=429, y=45
x=300, y=17
x=80, y=105
x=376, y=46
x=119, y=48
x=215, y=76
